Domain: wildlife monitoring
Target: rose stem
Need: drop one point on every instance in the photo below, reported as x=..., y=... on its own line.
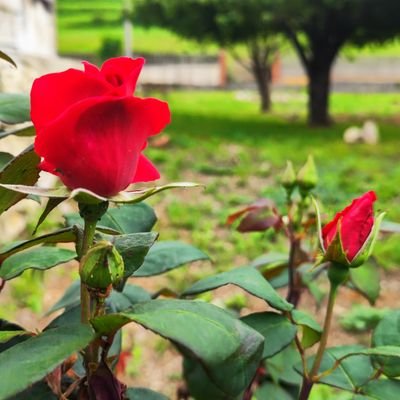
x=337, y=275
x=87, y=241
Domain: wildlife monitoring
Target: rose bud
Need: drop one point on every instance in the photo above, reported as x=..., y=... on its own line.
x=288, y=180
x=102, y=266
x=91, y=130
x=349, y=238
x=307, y=177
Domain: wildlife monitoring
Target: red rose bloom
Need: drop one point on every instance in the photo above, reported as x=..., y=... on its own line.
x=91, y=130
x=355, y=223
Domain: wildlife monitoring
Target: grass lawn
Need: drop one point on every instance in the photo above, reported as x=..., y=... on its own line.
x=221, y=140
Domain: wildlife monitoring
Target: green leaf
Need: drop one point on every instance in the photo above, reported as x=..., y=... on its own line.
x=41, y=258
x=29, y=361
x=228, y=349
x=270, y=260
x=50, y=206
x=387, y=333
x=352, y=372
x=144, y=394
x=200, y=385
x=165, y=256
x=383, y=389
x=21, y=169
x=137, y=196
x=7, y=58
x=5, y=158
x=128, y=218
x=27, y=130
x=14, y=108
x=247, y=278
x=58, y=192
x=131, y=295
x=117, y=301
x=5, y=336
x=6, y=326
x=271, y=391
x=277, y=330
x=133, y=248
x=365, y=279
x=281, y=367
x=65, y=235
x=86, y=196
x=311, y=329
x=70, y=316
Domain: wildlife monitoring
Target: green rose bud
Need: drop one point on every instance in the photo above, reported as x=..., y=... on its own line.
x=288, y=179
x=102, y=266
x=307, y=177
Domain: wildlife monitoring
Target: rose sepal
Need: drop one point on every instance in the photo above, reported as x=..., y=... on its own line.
x=369, y=244
x=86, y=196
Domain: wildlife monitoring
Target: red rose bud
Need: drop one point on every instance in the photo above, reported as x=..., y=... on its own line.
x=91, y=130
x=349, y=238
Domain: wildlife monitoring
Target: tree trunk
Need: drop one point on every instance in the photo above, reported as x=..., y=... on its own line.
x=318, y=94
x=262, y=77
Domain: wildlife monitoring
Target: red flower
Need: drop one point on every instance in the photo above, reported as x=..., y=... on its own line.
x=91, y=130
x=355, y=223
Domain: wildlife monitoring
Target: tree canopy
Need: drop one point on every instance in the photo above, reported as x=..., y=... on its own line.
x=317, y=29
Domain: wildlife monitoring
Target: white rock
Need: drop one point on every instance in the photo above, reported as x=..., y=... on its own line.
x=370, y=132
x=353, y=134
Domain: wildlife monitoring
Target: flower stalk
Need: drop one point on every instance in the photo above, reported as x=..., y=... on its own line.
x=337, y=275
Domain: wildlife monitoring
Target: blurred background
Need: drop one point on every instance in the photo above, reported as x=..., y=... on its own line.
x=250, y=85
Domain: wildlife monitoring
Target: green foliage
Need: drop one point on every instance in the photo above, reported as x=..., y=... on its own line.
x=39, y=355
x=246, y=278
x=110, y=47
x=128, y=218
x=7, y=58
x=40, y=258
x=14, y=108
x=366, y=280
x=277, y=330
x=362, y=318
x=167, y=255
x=388, y=333
x=133, y=249
x=182, y=320
x=22, y=170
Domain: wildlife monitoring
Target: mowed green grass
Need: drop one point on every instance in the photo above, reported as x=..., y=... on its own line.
x=221, y=140
x=84, y=24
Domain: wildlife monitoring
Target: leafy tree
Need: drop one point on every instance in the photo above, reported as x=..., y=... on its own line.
x=318, y=29
x=227, y=23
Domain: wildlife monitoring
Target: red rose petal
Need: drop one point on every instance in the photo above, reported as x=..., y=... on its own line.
x=356, y=222
x=146, y=171
x=96, y=144
x=52, y=94
x=123, y=72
